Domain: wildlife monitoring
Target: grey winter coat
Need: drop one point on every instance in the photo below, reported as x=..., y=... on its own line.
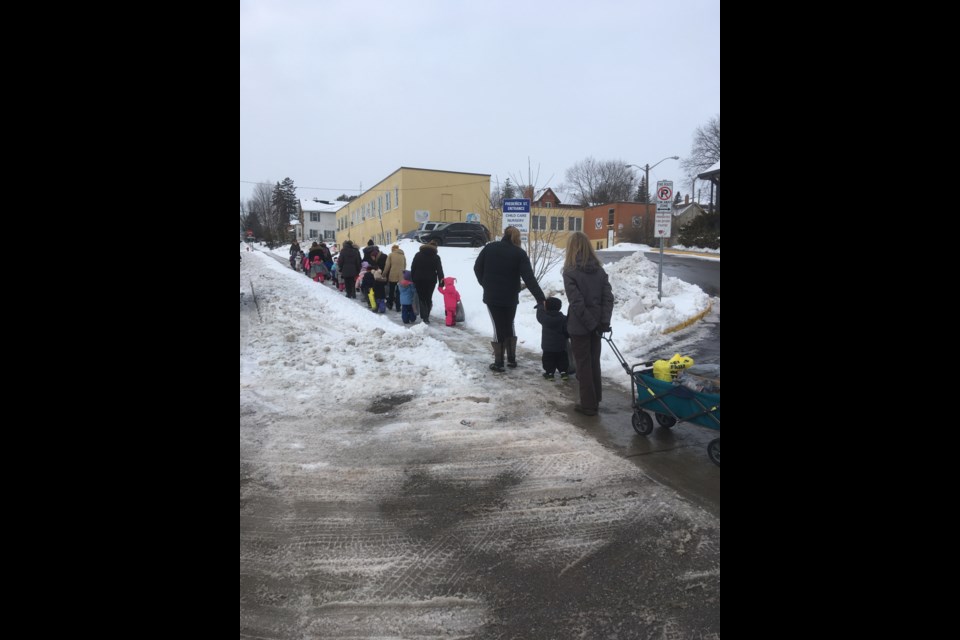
x=589, y=298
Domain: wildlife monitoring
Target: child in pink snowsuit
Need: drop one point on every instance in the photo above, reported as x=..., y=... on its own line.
x=450, y=299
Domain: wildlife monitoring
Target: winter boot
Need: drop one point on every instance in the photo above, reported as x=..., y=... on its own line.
x=548, y=376
x=512, y=352
x=381, y=306
x=497, y=357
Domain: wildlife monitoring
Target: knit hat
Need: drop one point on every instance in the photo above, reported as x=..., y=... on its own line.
x=407, y=275
x=553, y=304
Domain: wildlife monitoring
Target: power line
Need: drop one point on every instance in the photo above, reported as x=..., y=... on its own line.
x=442, y=186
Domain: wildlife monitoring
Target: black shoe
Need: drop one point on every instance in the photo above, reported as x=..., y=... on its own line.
x=548, y=376
x=497, y=367
x=564, y=376
x=586, y=412
x=512, y=364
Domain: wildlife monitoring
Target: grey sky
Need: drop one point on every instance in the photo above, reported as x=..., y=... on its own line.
x=337, y=93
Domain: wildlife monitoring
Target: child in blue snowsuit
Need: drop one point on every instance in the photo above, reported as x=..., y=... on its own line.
x=408, y=293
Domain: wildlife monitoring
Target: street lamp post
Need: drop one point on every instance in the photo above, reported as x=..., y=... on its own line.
x=646, y=176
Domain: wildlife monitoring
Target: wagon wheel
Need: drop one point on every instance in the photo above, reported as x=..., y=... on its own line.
x=713, y=450
x=665, y=421
x=642, y=422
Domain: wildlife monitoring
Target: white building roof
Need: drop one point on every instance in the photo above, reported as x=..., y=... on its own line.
x=327, y=206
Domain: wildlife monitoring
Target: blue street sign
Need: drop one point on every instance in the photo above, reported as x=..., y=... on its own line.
x=516, y=205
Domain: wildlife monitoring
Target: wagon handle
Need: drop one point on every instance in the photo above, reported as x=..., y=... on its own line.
x=616, y=351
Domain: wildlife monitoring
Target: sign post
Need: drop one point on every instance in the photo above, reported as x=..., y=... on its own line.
x=516, y=213
x=662, y=226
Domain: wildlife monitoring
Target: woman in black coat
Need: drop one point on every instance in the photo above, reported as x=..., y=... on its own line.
x=499, y=268
x=348, y=266
x=427, y=272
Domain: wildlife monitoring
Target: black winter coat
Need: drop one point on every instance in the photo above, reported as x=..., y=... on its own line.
x=554, y=336
x=348, y=262
x=499, y=268
x=426, y=267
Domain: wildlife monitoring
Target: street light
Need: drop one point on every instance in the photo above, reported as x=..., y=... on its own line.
x=646, y=171
x=646, y=196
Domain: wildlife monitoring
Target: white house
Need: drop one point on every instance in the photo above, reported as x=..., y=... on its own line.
x=318, y=219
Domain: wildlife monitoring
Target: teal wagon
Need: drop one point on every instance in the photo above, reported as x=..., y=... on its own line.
x=670, y=403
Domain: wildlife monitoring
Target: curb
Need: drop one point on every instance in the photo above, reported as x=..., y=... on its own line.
x=690, y=321
x=678, y=252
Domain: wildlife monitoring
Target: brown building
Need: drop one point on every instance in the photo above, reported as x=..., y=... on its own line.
x=614, y=222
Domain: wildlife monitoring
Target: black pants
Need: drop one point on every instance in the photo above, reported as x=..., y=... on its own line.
x=393, y=296
x=502, y=318
x=555, y=361
x=350, y=284
x=425, y=295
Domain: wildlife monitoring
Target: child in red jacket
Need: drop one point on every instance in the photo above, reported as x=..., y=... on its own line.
x=450, y=299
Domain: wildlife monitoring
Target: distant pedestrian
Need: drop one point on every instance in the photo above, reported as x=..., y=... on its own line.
x=427, y=269
x=590, y=300
x=499, y=269
x=393, y=271
x=348, y=266
x=368, y=249
x=450, y=299
x=407, y=293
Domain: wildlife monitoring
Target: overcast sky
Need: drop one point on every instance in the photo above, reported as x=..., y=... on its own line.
x=338, y=93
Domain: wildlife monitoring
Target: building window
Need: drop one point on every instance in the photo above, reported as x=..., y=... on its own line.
x=538, y=223
x=575, y=224
x=556, y=223
x=314, y=217
x=548, y=205
x=610, y=217
x=388, y=200
x=380, y=206
x=396, y=195
x=313, y=233
x=329, y=235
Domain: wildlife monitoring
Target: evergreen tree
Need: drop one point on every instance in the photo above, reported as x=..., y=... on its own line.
x=509, y=191
x=643, y=193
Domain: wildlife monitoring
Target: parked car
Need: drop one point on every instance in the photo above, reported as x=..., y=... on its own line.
x=466, y=234
x=420, y=230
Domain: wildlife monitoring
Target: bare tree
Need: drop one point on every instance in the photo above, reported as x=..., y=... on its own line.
x=544, y=232
x=258, y=210
x=705, y=151
x=539, y=246
x=595, y=182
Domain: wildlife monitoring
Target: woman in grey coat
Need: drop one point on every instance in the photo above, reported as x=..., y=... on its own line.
x=589, y=308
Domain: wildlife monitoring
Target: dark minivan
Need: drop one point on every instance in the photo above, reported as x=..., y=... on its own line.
x=458, y=234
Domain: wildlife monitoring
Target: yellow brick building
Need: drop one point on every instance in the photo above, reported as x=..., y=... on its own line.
x=409, y=196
